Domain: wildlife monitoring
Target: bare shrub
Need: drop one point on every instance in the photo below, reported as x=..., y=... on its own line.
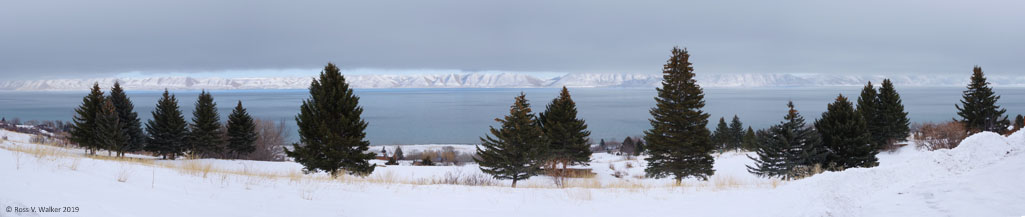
x=270, y=143
x=932, y=136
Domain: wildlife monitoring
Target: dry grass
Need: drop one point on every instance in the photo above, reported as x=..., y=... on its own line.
x=196, y=168
x=124, y=172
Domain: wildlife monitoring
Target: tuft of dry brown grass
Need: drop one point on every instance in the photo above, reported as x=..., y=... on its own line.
x=124, y=172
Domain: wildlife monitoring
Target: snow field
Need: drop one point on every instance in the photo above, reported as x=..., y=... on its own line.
x=979, y=178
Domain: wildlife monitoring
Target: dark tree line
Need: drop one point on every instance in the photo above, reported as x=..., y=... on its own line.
x=733, y=136
x=110, y=123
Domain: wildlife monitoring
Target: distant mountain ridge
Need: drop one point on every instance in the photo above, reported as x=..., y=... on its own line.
x=509, y=80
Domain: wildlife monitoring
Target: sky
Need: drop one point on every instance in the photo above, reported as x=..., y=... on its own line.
x=102, y=38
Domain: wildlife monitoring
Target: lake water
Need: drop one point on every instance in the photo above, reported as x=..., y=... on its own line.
x=461, y=116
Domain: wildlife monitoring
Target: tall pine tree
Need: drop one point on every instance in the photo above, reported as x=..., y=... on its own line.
x=136, y=139
x=788, y=149
x=566, y=134
x=750, y=140
x=679, y=144
x=82, y=132
x=979, y=110
x=109, y=132
x=868, y=107
x=845, y=135
x=205, y=139
x=722, y=134
x=241, y=132
x=514, y=150
x=736, y=133
x=332, y=135
x=168, y=130
x=895, y=122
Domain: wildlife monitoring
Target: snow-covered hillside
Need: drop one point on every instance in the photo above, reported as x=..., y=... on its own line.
x=510, y=80
x=982, y=177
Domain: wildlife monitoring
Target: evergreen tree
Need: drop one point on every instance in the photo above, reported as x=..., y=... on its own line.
x=628, y=148
x=136, y=139
x=787, y=149
x=721, y=136
x=979, y=110
x=109, y=130
x=168, y=129
x=679, y=143
x=845, y=135
x=601, y=145
x=736, y=133
x=640, y=147
x=85, y=120
x=565, y=133
x=895, y=122
x=1019, y=122
x=205, y=139
x=750, y=140
x=868, y=108
x=241, y=132
x=331, y=131
x=398, y=153
x=514, y=150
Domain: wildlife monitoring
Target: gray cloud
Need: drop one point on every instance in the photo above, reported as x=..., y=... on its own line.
x=69, y=38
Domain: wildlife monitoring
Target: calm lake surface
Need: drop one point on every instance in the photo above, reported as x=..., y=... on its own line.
x=461, y=116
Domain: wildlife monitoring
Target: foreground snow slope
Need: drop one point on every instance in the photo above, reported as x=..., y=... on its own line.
x=982, y=177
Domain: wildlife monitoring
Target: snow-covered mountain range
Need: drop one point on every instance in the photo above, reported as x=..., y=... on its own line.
x=510, y=80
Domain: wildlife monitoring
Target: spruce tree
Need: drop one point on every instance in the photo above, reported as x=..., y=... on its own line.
x=513, y=151
x=787, y=149
x=565, y=133
x=331, y=132
x=750, y=140
x=398, y=153
x=136, y=139
x=979, y=110
x=869, y=108
x=640, y=147
x=205, y=139
x=168, y=129
x=629, y=147
x=85, y=120
x=109, y=132
x=736, y=133
x=846, y=136
x=895, y=122
x=241, y=132
x=679, y=143
x=722, y=134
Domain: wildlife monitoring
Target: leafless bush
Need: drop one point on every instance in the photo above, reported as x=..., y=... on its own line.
x=458, y=178
x=447, y=156
x=270, y=142
x=932, y=136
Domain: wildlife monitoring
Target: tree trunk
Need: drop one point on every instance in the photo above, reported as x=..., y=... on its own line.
x=679, y=180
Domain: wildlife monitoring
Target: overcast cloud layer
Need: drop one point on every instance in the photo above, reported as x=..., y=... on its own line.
x=73, y=38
